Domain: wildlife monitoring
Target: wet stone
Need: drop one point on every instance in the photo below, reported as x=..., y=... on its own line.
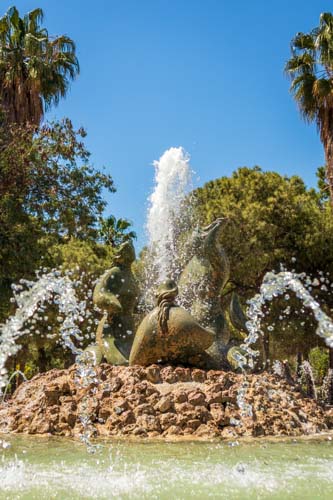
x=50, y=403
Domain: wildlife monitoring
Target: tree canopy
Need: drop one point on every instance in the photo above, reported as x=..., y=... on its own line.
x=35, y=68
x=49, y=194
x=114, y=231
x=274, y=220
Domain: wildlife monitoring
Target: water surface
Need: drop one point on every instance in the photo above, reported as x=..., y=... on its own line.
x=47, y=468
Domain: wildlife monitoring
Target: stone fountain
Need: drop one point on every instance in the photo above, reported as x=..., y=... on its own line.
x=176, y=371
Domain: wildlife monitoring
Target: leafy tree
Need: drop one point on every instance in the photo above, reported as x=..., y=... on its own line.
x=35, y=69
x=310, y=68
x=80, y=256
x=274, y=221
x=50, y=179
x=115, y=232
x=318, y=358
x=49, y=193
x=322, y=183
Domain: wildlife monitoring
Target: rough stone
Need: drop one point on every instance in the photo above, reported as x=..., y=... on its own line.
x=153, y=374
x=196, y=398
x=164, y=405
x=50, y=404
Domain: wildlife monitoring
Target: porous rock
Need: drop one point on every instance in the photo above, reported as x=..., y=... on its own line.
x=163, y=402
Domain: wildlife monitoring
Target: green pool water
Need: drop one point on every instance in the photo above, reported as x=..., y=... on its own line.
x=38, y=468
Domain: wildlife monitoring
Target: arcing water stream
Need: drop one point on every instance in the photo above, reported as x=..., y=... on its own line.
x=273, y=285
x=49, y=287
x=30, y=296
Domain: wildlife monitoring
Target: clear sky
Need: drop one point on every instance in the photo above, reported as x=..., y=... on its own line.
x=203, y=74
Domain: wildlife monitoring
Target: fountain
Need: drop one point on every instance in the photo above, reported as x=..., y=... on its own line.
x=170, y=369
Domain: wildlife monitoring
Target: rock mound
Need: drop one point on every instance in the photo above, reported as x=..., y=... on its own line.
x=163, y=402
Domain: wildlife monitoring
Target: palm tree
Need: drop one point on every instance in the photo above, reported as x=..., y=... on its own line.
x=311, y=70
x=35, y=69
x=114, y=232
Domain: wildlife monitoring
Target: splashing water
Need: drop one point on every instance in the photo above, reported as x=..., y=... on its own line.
x=307, y=379
x=274, y=285
x=278, y=368
x=245, y=408
x=51, y=287
x=173, y=180
x=16, y=373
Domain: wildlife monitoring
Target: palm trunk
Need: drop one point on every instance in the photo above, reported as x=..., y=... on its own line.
x=328, y=145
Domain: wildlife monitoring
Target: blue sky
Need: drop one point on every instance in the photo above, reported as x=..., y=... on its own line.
x=203, y=74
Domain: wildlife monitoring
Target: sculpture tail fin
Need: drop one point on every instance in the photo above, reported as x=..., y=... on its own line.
x=236, y=314
x=100, y=329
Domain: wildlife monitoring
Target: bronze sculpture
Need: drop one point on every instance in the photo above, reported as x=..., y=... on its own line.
x=116, y=293
x=195, y=334
x=169, y=334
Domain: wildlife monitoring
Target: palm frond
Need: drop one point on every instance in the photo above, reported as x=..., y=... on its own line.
x=303, y=41
x=303, y=63
x=35, y=70
x=302, y=89
x=34, y=19
x=322, y=89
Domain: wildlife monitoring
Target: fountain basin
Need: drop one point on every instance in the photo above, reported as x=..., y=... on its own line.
x=40, y=468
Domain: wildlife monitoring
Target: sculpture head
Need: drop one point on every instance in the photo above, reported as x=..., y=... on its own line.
x=168, y=290
x=206, y=238
x=125, y=253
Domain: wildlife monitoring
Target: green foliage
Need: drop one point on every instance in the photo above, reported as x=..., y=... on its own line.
x=82, y=257
x=310, y=69
x=35, y=68
x=274, y=220
x=318, y=357
x=115, y=232
x=49, y=193
x=322, y=183
x=67, y=194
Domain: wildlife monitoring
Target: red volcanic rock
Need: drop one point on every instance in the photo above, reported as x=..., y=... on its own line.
x=218, y=413
x=164, y=405
x=162, y=402
x=153, y=374
x=196, y=398
x=198, y=375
